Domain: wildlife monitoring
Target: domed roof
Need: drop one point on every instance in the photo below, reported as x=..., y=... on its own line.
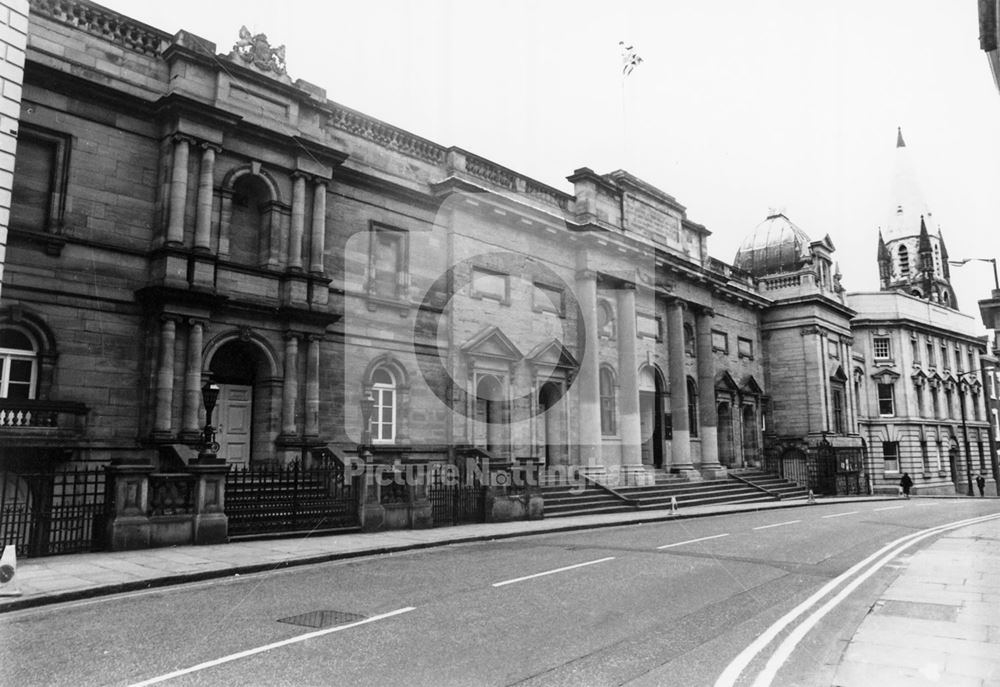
x=775, y=245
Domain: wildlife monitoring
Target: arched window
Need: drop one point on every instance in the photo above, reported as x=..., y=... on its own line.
x=904, y=261
x=19, y=361
x=692, y=407
x=607, y=381
x=250, y=230
x=605, y=319
x=689, y=346
x=383, y=425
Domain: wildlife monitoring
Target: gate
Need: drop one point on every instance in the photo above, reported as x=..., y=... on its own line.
x=456, y=496
x=47, y=513
x=268, y=500
x=794, y=467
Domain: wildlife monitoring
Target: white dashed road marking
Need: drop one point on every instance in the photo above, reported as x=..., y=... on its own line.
x=551, y=572
x=777, y=524
x=692, y=541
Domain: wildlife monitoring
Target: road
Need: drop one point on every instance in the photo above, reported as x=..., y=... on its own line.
x=670, y=603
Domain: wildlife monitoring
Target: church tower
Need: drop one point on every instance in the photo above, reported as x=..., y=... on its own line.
x=911, y=253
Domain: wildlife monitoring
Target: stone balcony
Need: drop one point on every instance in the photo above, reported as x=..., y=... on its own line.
x=35, y=423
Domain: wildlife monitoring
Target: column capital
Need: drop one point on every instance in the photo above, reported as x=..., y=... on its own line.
x=290, y=335
x=703, y=310
x=314, y=338
x=171, y=317
x=586, y=274
x=676, y=301
x=197, y=320
x=184, y=138
x=206, y=147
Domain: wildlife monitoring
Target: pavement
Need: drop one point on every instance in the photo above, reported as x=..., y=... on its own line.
x=938, y=623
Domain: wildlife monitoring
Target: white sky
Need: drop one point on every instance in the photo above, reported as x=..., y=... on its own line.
x=738, y=106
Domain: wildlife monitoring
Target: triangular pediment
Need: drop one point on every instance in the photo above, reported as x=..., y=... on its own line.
x=552, y=354
x=491, y=342
x=839, y=374
x=750, y=386
x=725, y=382
x=885, y=376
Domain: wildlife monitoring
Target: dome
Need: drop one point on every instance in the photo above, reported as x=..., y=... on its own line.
x=775, y=245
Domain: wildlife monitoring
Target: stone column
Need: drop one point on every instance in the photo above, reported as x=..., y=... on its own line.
x=290, y=395
x=628, y=389
x=681, y=459
x=298, y=222
x=178, y=192
x=588, y=380
x=318, y=228
x=203, y=220
x=163, y=420
x=192, y=382
x=312, y=387
x=707, y=409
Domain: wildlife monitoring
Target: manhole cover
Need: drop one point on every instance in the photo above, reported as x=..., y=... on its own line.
x=320, y=619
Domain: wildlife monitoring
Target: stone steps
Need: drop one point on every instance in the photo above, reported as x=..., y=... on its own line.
x=563, y=501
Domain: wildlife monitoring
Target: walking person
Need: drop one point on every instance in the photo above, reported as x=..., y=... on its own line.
x=981, y=483
x=905, y=482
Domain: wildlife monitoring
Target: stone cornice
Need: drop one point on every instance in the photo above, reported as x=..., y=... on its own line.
x=103, y=23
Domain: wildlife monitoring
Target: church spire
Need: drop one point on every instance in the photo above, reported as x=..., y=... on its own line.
x=900, y=143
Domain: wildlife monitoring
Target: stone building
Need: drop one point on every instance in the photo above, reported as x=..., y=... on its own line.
x=918, y=375
x=185, y=217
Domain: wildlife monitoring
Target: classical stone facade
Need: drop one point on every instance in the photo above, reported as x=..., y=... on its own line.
x=185, y=216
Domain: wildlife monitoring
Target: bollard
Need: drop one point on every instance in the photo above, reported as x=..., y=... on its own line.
x=8, y=570
x=673, y=504
x=812, y=497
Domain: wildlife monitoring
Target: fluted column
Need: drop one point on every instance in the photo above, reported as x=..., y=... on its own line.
x=312, y=387
x=298, y=222
x=681, y=442
x=178, y=191
x=588, y=379
x=707, y=409
x=163, y=420
x=203, y=220
x=318, y=228
x=192, y=380
x=628, y=384
x=290, y=394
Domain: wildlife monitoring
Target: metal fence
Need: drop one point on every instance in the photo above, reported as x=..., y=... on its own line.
x=457, y=497
x=265, y=500
x=46, y=513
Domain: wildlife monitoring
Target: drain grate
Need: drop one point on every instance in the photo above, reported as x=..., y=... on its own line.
x=321, y=619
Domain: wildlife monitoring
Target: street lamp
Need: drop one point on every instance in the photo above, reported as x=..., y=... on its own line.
x=367, y=405
x=993, y=261
x=209, y=447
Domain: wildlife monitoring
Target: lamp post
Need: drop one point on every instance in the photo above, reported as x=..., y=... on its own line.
x=993, y=261
x=367, y=405
x=209, y=447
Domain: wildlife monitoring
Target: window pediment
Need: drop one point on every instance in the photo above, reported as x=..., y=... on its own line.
x=725, y=382
x=885, y=376
x=552, y=354
x=751, y=387
x=491, y=342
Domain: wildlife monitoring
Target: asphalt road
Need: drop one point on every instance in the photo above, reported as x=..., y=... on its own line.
x=670, y=603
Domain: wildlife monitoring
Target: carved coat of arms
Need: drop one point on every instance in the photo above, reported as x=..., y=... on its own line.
x=256, y=51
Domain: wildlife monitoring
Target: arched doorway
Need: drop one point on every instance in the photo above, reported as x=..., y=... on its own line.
x=651, y=416
x=241, y=413
x=552, y=428
x=727, y=448
x=490, y=420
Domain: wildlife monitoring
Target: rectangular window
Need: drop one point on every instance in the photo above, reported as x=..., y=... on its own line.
x=890, y=455
x=744, y=347
x=977, y=413
x=945, y=363
x=837, y=393
x=925, y=454
x=935, y=404
x=720, y=341
x=384, y=415
x=982, y=456
x=545, y=298
x=915, y=350
x=958, y=358
x=648, y=327
x=882, y=349
x=972, y=361
x=489, y=284
x=834, y=348
x=930, y=353
x=39, y=179
x=886, y=400
x=387, y=263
